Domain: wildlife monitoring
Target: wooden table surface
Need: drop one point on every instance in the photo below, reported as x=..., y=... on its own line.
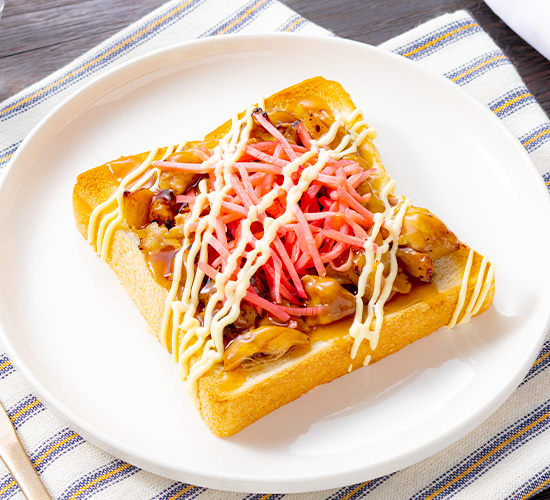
x=38, y=37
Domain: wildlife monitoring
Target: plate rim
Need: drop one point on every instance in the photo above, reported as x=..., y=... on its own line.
x=120, y=449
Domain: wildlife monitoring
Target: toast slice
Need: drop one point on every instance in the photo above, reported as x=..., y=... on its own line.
x=274, y=255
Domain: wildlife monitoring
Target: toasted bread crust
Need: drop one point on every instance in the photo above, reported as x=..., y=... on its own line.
x=231, y=401
x=125, y=258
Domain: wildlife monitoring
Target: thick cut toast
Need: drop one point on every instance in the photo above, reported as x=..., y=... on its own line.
x=451, y=283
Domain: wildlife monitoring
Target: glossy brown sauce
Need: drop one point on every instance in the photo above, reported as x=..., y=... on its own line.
x=312, y=111
x=161, y=265
x=336, y=332
x=123, y=166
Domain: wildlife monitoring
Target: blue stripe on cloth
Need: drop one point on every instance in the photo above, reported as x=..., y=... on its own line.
x=8, y=487
x=536, y=137
x=546, y=179
x=477, y=67
x=55, y=447
x=24, y=410
x=98, y=480
x=542, y=362
x=356, y=491
x=179, y=491
x=7, y=153
x=293, y=24
x=438, y=39
x=141, y=33
x=538, y=482
x=488, y=455
x=6, y=366
x=263, y=496
x=239, y=19
x=512, y=101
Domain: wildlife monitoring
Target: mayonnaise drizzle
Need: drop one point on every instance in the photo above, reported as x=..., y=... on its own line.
x=209, y=336
x=111, y=221
x=181, y=332
x=481, y=289
x=391, y=219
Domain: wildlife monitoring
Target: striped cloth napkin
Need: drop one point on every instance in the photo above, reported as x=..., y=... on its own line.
x=508, y=456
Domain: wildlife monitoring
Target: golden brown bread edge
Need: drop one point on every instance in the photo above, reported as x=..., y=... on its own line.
x=229, y=402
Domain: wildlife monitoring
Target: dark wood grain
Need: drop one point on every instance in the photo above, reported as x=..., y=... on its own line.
x=379, y=20
x=38, y=37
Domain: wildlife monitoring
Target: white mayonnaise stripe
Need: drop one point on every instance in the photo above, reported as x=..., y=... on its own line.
x=482, y=287
x=176, y=278
x=483, y=284
x=105, y=221
x=359, y=329
x=463, y=290
x=486, y=286
x=392, y=219
x=477, y=289
x=153, y=172
x=103, y=239
x=259, y=255
x=190, y=338
x=229, y=149
x=109, y=222
x=235, y=291
x=395, y=231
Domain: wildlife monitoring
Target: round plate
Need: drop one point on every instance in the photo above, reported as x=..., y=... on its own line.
x=73, y=332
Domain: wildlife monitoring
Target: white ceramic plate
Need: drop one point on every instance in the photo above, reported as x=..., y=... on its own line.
x=76, y=336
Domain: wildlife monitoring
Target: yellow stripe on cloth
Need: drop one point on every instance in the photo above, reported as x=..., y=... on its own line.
x=512, y=101
x=42, y=457
x=7, y=363
x=181, y=492
x=294, y=24
x=488, y=455
x=439, y=39
x=5, y=158
x=478, y=66
x=25, y=409
x=538, y=136
x=537, y=488
x=353, y=492
x=544, y=356
x=97, y=480
x=248, y=13
x=8, y=486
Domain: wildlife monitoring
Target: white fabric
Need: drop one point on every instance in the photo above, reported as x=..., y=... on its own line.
x=530, y=19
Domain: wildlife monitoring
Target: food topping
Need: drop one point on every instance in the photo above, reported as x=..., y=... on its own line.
x=326, y=292
x=261, y=344
x=483, y=283
x=281, y=226
x=425, y=233
x=136, y=207
x=162, y=207
x=417, y=264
